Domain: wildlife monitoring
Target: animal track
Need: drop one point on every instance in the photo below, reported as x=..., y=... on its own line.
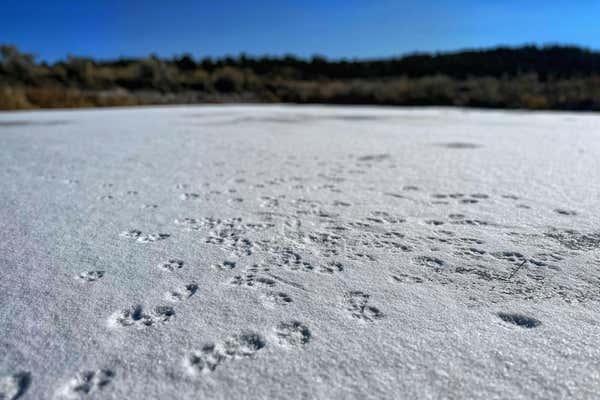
x=172, y=264
x=131, y=234
x=277, y=298
x=189, y=196
x=470, y=252
x=14, y=386
x=269, y=202
x=473, y=222
x=135, y=316
x=87, y=383
x=90, y=276
x=224, y=266
x=339, y=203
x=519, y=320
x=139, y=237
x=374, y=158
x=291, y=260
x=562, y=211
x=292, y=334
x=549, y=257
x=512, y=256
x=190, y=223
x=152, y=237
x=252, y=280
x=431, y=262
x=576, y=240
x=238, y=245
x=357, y=305
x=329, y=244
x=407, y=278
x=183, y=293
x=434, y=222
x=331, y=267
x=459, y=145
x=212, y=355
x=385, y=217
x=395, y=195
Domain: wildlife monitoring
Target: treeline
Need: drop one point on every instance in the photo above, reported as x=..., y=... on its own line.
x=530, y=77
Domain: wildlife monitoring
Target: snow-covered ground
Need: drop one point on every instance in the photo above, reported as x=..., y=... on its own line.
x=286, y=252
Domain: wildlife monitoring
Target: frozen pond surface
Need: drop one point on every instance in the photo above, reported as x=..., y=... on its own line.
x=229, y=252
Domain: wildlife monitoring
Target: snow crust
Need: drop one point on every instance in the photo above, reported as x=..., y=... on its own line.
x=254, y=252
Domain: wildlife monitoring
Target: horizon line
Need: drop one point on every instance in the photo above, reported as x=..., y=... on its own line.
x=312, y=56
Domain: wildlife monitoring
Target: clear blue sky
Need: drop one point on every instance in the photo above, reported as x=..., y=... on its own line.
x=336, y=28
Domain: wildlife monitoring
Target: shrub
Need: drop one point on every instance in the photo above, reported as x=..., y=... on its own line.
x=227, y=80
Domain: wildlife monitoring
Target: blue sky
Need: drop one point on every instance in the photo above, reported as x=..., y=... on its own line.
x=335, y=28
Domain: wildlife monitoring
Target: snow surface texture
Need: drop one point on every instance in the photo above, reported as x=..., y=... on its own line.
x=229, y=252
